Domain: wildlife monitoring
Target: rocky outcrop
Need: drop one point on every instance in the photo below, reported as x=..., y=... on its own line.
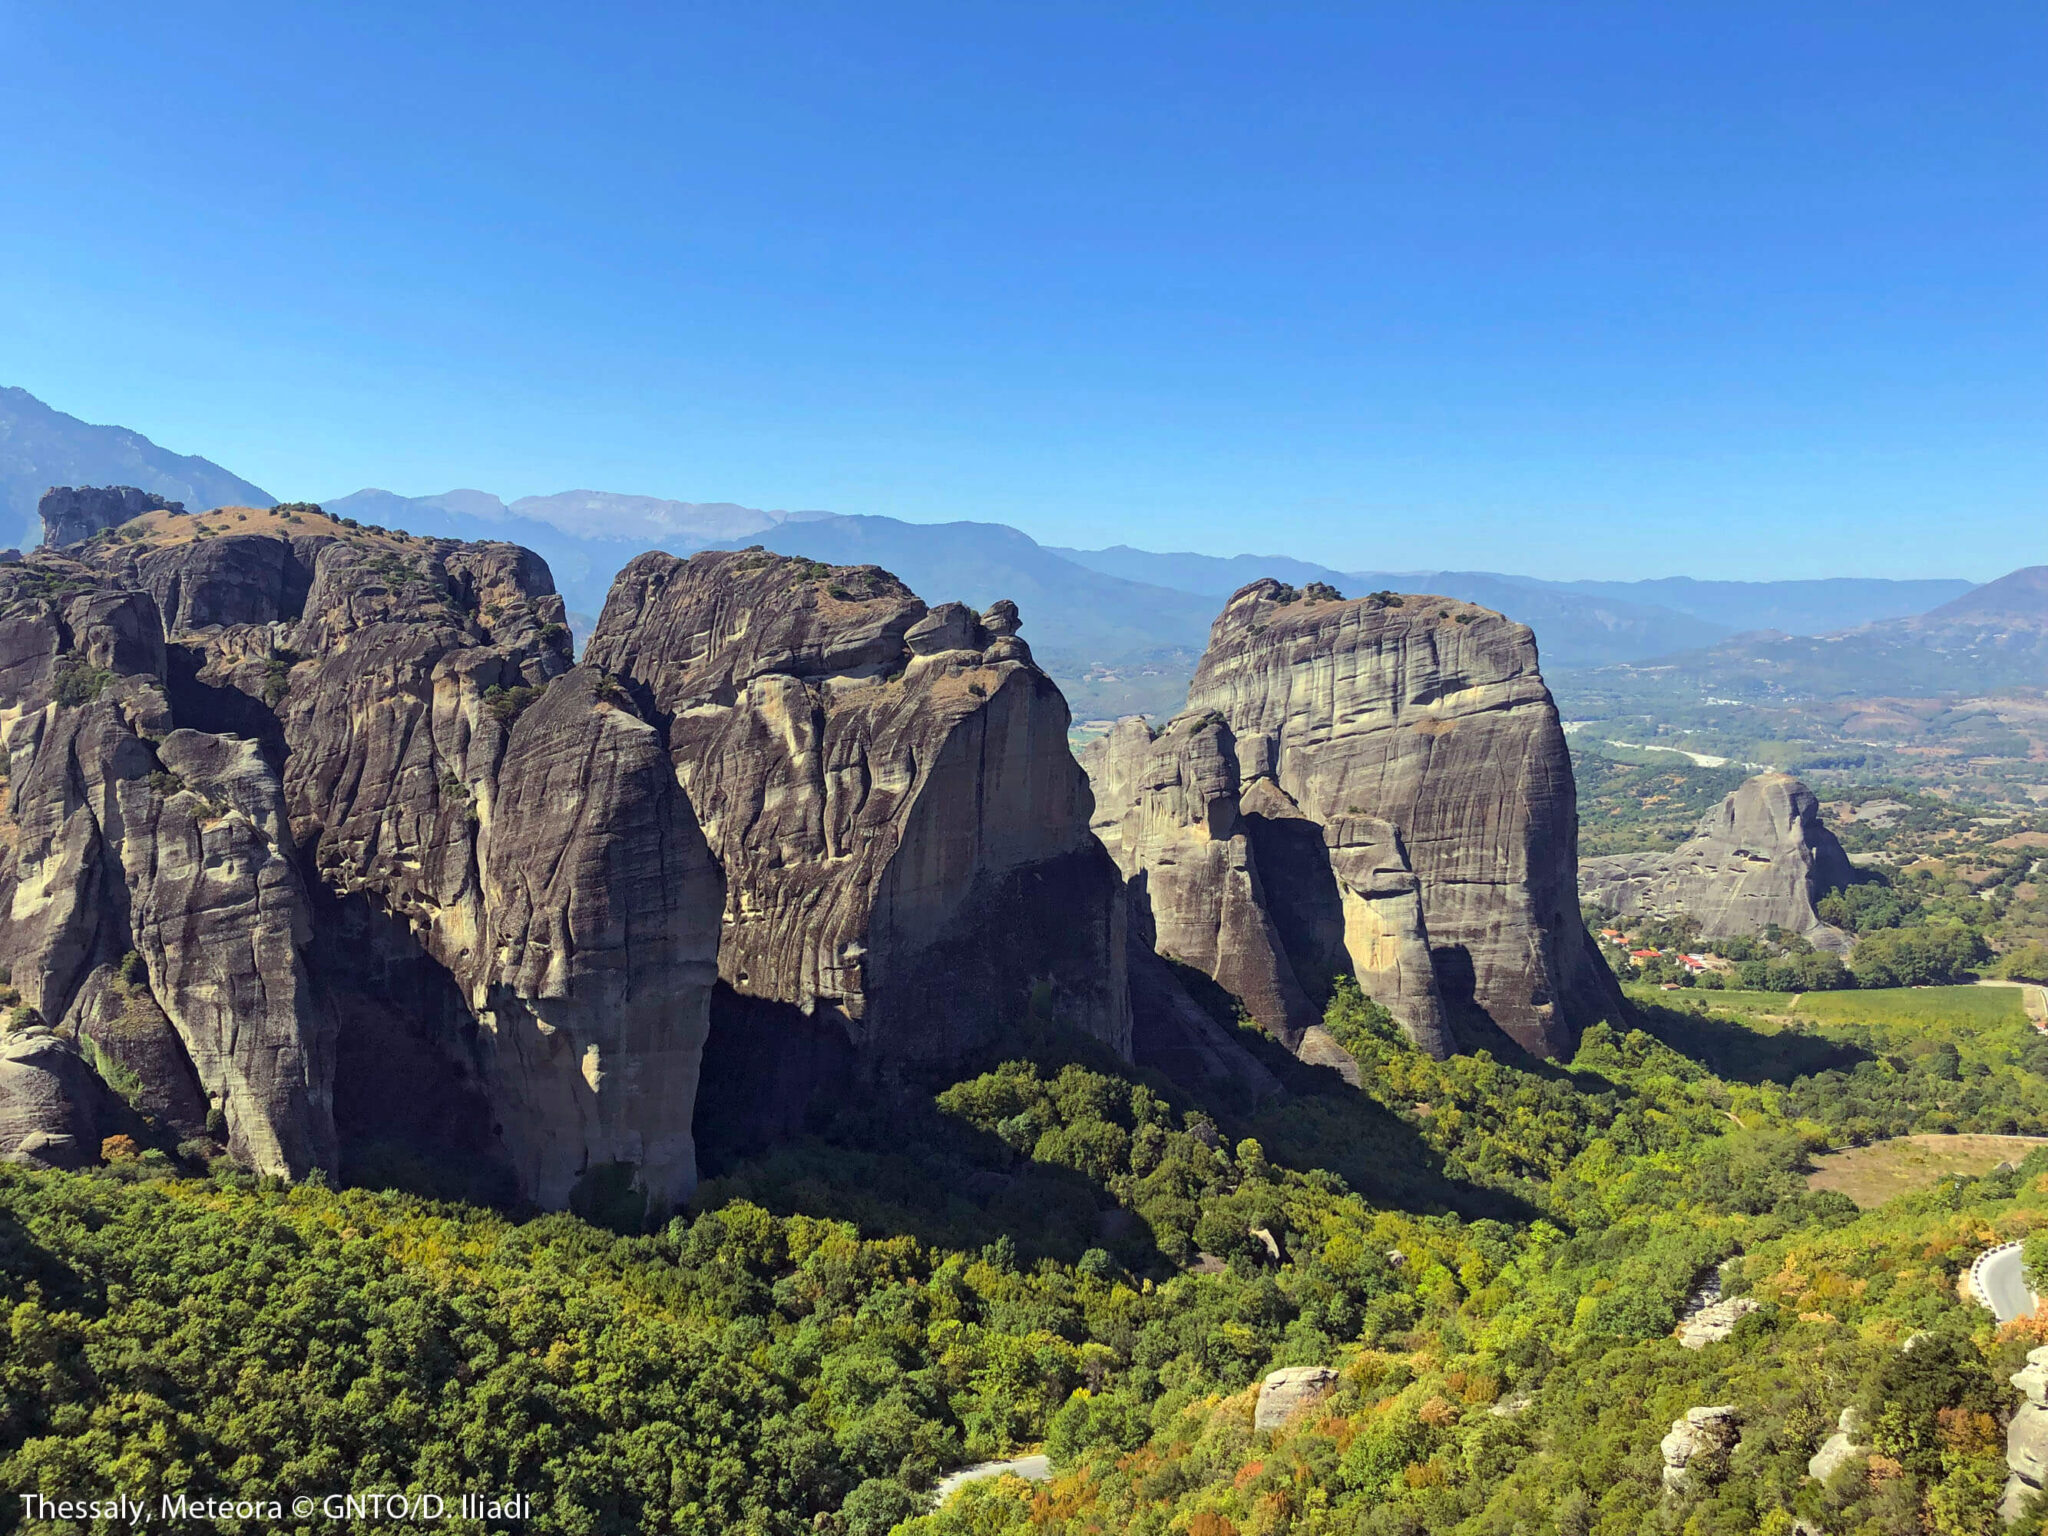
x=1185, y=849
x=1762, y=858
x=1846, y=1445
x=1698, y=1446
x=1376, y=788
x=131, y=838
x=2026, y=1439
x=1286, y=1395
x=315, y=825
x=1715, y=1321
x=54, y=1109
x=73, y=513
x=888, y=789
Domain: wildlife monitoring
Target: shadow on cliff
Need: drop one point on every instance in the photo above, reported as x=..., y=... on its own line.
x=1730, y=1049
x=409, y=1111
x=786, y=1121
x=787, y=1118
x=1317, y=1119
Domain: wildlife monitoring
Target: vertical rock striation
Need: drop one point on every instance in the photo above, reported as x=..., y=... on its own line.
x=305, y=812
x=888, y=789
x=1406, y=809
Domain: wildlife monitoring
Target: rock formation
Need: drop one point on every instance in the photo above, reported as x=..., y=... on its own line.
x=1714, y=1322
x=73, y=513
x=888, y=788
x=54, y=1109
x=1185, y=847
x=2026, y=1439
x=1376, y=788
x=1762, y=857
x=1287, y=1394
x=1698, y=1446
x=315, y=834
x=1847, y=1444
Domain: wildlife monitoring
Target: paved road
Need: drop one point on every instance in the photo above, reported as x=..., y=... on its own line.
x=1033, y=1469
x=1999, y=1283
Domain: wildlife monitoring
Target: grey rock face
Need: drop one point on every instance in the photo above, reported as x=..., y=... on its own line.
x=888, y=789
x=72, y=513
x=1171, y=1031
x=133, y=838
x=1431, y=717
x=1188, y=858
x=213, y=734
x=1402, y=786
x=1239, y=884
x=1713, y=1323
x=1763, y=856
x=1287, y=1394
x=2026, y=1439
x=52, y=1105
x=601, y=905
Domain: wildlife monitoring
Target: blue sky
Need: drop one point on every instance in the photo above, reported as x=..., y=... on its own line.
x=1572, y=290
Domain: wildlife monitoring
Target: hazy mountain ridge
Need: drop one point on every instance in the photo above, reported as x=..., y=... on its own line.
x=1990, y=637
x=41, y=446
x=1642, y=615
x=1119, y=628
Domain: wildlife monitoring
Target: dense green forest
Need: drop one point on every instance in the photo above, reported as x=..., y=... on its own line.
x=1058, y=1251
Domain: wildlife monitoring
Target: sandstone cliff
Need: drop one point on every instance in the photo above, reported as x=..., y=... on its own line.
x=1398, y=796
x=888, y=789
x=1762, y=857
x=317, y=833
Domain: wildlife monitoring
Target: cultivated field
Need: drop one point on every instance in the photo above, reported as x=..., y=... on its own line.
x=1883, y=1170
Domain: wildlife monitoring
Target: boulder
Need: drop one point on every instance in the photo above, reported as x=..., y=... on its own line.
x=1841, y=1448
x=52, y=1104
x=2026, y=1439
x=1698, y=1444
x=1762, y=857
x=1287, y=1394
x=903, y=830
x=2026, y=1443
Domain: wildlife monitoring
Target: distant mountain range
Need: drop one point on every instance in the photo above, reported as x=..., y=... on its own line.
x=1120, y=628
x=41, y=447
x=1990, y=638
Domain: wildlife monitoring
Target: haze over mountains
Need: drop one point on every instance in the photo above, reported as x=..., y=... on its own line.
x=1989, y=638
x=41, y=447
x=1119, y=628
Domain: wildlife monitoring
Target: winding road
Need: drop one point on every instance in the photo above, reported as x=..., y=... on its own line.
x=1033, y=1469
x=1998, y=1282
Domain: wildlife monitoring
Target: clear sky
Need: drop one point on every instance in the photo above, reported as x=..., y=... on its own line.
x=1570, y=289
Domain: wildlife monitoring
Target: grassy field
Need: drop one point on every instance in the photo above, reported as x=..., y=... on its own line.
x=1883, y=1170
x=1965, y=1007
x=1733, y=1000
x=1937, y=1008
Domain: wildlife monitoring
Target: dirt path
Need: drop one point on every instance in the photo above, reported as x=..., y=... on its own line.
x=2033, y=998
